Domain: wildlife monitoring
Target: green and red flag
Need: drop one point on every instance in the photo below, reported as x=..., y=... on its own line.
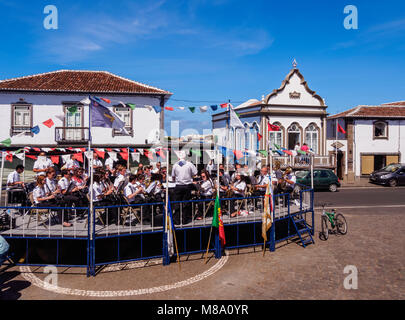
x=217, y=221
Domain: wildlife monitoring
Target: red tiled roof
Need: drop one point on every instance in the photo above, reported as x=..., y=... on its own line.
x=389, y=110
x=78, y=81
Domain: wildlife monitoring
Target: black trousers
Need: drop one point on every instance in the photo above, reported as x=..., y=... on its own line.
x=205, y=204
x=62, y=214
x=146, y=209
x=233, y=202
x=182, y=193
x=111, y=213
x=287, y=190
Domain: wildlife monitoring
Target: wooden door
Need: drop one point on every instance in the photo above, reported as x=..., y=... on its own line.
x=392, y=159
x=367, y=164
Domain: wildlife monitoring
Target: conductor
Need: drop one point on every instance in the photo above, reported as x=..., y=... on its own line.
x=182, y=174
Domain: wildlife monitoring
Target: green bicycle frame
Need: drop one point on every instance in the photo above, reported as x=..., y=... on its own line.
x=331, y=217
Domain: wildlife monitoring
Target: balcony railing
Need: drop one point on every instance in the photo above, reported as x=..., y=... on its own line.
x=71, y=135
x=17, y=130
x=305, y=161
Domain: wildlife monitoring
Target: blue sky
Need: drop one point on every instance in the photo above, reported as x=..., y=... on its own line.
x=211, y=51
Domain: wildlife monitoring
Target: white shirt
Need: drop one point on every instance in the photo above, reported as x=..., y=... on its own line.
x=263, y=180
x=210, y=167
x=292, y=178
x=137, y=184
x=97, y=191
x=50, y=185
x=130, y=189
x=97, y=163
x=13, y=177
x=240, y=186
x=207, y=188
x=183, y=174
x=72, y=163
x=118, y=180
x=42, y=163
x=64, y=183
x=39, y=192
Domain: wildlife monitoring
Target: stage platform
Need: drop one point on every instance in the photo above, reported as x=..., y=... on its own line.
x=79, y=228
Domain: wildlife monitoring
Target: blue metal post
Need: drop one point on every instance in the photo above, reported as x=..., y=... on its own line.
x=165, y=252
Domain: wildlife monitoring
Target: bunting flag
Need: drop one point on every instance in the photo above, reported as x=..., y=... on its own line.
x=78, y=156
x=35, y=130
x=106, y=100
x=259, y=136
x=19, y=156
x=19, y=151
x=192, y=109
x=203, y=109
x=37, y=149
x=160, y=154
x=60, y=117
x=287, y=152
x=140, y=151
x=112, y=155
x=238, y=154
x=72, y=109
x=211, y=154
x=131, y=105
x=301, y=152
x=264, y=153
x=31, y=157
x=6, y=142
x=47, y=149
x=181, y=108
x=109, y=149
x=169, y=108
x=214, y=107
x=135, y=156
x=217, y=221
x=157, y=109
x=224, y=105
x=277, y=146
x=272, y=127
x=9, y=157
x=148, y=154
x=49, y=123
x=223, y=151
x=55, y=159
x=197, y=152
x=124, y=155
x=100, y=153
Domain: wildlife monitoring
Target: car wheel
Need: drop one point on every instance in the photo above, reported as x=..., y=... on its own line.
x=333, y=187
x=392, y=183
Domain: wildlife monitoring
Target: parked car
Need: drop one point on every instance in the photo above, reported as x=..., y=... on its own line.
x=392, y=175
x=323, y=179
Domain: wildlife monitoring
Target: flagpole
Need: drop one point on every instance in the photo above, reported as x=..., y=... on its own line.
x=167, y=206
x=128, y=158
x=336, y=122
x=1, y=176
x=24, y=166
x=91, y=176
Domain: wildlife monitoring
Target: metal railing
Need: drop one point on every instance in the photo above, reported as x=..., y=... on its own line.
x=136, y=232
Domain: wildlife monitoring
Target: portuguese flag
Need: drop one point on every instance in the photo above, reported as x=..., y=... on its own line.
x=217, y=221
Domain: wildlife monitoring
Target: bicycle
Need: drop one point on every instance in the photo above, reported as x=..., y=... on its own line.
x=336, y=220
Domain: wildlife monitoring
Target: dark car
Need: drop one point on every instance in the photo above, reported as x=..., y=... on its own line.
x=323, y=179
x=392, y=175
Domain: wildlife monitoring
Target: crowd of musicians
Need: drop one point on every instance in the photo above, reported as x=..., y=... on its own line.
x=114, y=184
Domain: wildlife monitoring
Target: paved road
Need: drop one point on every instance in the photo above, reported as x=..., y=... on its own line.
x=374, y=244
x=362, y=197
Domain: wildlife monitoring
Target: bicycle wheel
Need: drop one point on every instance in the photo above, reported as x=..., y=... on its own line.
x=324, y=234
x=341, y=224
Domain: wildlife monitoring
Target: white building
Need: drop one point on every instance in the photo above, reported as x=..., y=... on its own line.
x=29, y=101
x=294, y=107
x=375, y=137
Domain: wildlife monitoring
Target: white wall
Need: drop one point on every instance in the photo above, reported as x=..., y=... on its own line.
x=294, y=85
x=364, y=142
x=145, y=122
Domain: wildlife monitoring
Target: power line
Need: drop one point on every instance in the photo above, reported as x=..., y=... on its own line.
x=207, y=101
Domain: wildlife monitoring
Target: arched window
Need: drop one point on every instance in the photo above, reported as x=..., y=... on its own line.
x=312, y=136
x=380, y=130
x=254, y=140
x=276, y=137
x=294, y=135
